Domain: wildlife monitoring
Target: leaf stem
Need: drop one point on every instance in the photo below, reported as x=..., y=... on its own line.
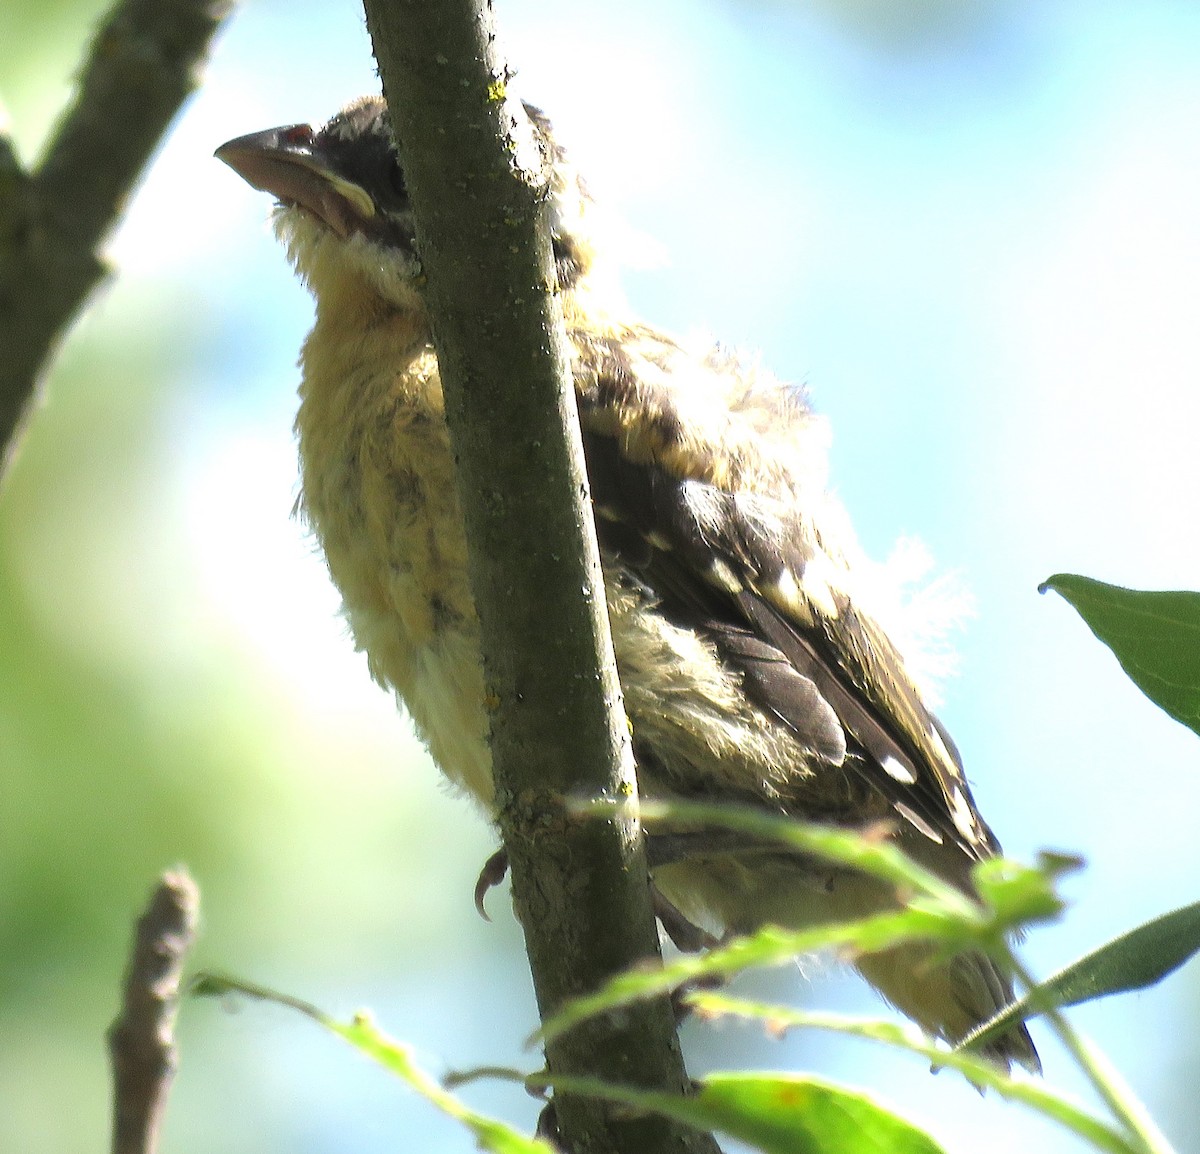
x=1114, y=1091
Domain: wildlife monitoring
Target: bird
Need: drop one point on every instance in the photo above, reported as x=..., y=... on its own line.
x=748, y=639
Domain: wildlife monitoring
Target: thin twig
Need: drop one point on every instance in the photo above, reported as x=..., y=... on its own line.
x=141, y=1041
x=142, y=66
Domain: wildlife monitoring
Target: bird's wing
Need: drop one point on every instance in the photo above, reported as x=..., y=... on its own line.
x=682, y=503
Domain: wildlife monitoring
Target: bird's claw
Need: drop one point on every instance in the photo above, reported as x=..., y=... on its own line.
x=493, y=873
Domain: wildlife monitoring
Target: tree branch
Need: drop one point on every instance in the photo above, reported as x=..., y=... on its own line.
x=580, y=888
x=143, y=64
x=141, y=1041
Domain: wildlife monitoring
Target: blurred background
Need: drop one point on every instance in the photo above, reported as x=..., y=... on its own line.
x=971, y=228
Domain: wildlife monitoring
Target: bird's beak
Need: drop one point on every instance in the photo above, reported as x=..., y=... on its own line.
x=289, y=163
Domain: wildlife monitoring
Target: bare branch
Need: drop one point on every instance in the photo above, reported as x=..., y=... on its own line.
x=558, y=727
x=142, y=66
x=141, y=1041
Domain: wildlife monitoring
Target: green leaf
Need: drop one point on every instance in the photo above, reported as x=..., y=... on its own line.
x=776, y=1113
x=1134, y=960
x=1017, y=895
x=982, y=1073
x=492, y=1135
x=1154, y=635
x=796, y=1114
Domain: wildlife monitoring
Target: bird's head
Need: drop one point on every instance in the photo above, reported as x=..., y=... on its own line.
x=343, y=206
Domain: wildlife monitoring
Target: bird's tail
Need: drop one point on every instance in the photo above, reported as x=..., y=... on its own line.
x=950, y=997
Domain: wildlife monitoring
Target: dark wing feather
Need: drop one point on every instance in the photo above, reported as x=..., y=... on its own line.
x=833, y=678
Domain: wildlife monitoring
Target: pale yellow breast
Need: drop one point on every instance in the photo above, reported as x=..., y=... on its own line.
x=379, y=492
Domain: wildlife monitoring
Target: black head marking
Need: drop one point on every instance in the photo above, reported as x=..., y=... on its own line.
x=358, y=145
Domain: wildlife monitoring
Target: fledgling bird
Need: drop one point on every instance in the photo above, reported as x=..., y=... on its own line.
x=752, y=667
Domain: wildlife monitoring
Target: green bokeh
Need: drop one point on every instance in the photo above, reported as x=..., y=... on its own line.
x=139, y=729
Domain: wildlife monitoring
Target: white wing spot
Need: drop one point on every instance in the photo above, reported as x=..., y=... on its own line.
x=786, y=587
x=964, y=818
x=724, y=576
x=921, y=824
x=817, y=587
x=897, y=770
x=787, y=594
x=935, y=739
